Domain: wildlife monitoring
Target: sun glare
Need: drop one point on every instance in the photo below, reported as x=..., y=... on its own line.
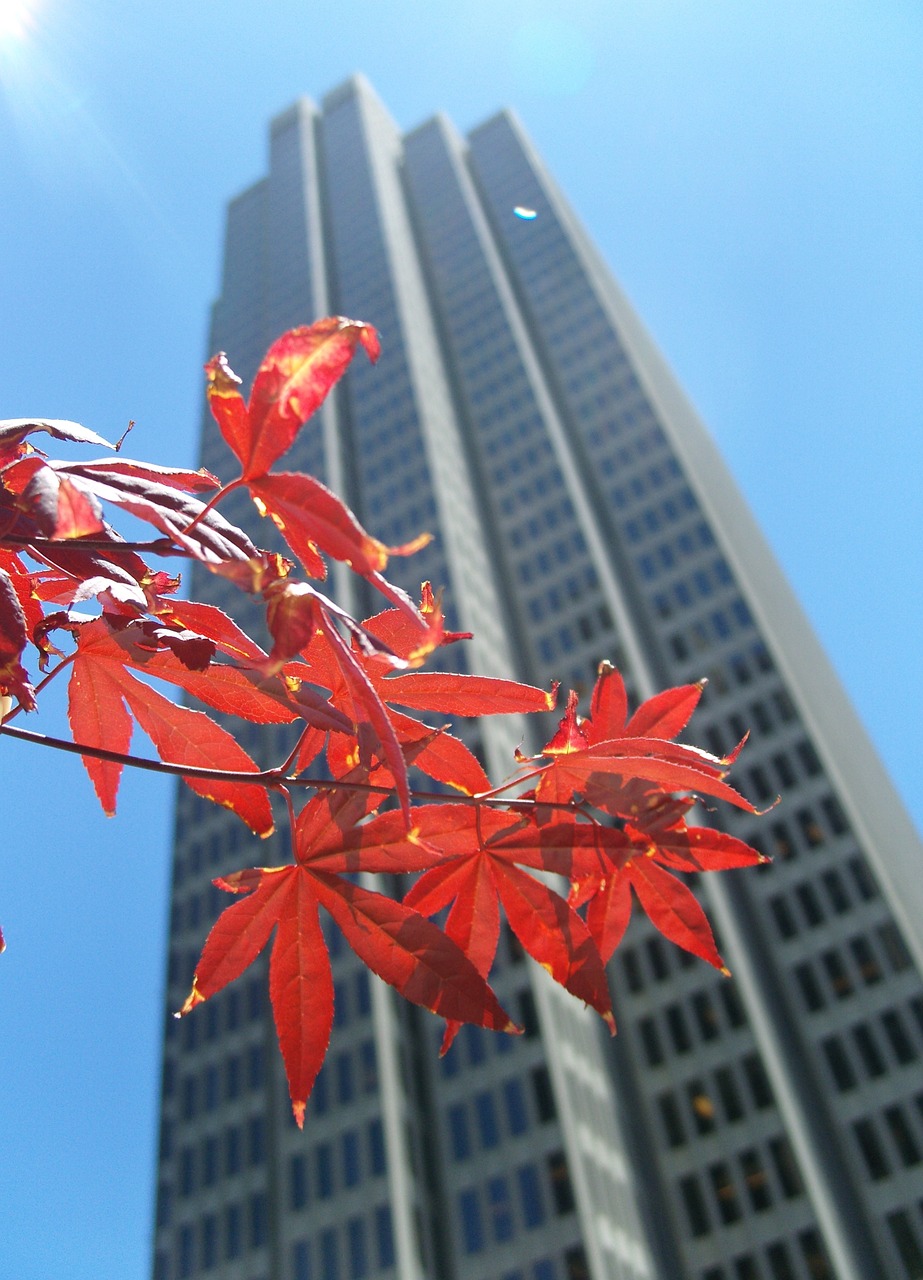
x=16, y=17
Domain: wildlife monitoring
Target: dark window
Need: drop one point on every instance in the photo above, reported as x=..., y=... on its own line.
x=527, y=1014
x=808, y=985
x=809, y=828
x=725, y=1192
x=866, y=961
x=232, y=1241
x=836, y=892
x=259, y=1220
x=256, y=1141
x=810, y=904
x=780, y=1264
x=783, y=1158
x=894, y=946
x=896, y=1032
x=840, y=1067
x=871, y=1148
x=679, y=1029
x=486, y=1113
x=329, y=1259
x=729, y=1093
x=576, y=1266
x=232, y=1151
x=733, y=1007
x=756, y=1180
x=358, y=1250
x=815, y=1255
x=562, y=1191
x=902, y=1136
x=186, y=1252
x=459, y=1135
x=209, y=1246
x=384, y=1236
x=650, y=1040
x=657, y=959
x=745, y=1268
x=836, y=818
x=694, y=1204
x=702, y=1106
x=632, y=969
x=544, y=1094
x=376, y=1141
x=323, y=1170
x=298, y=1183
x=672, y=1120
x=782, y=915
x=530, y=1196
x=862, y=878
x=808, y=757
x=500, y=1207
x=471, y=1222
x=871, y=1056
x=706, y=1015
x=837, y=974
x=514, y=1102
x=908, y=1245
x=351, y=1164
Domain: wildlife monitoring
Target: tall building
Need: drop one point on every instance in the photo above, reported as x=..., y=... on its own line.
x=767, y=1127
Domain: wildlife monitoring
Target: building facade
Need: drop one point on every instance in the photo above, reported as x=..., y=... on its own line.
x=766, y=1127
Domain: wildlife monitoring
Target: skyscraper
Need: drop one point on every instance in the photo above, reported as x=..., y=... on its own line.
x=768, y=1127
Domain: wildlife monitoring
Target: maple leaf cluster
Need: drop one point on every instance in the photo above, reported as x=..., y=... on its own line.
x=561, y=848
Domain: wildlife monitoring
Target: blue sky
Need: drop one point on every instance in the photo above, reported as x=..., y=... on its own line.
x=753, y=175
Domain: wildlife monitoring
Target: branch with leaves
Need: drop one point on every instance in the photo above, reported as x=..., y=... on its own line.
x=603, y=806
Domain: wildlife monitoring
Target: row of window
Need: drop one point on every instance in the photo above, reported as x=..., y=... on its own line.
x=902, y=1148
x=362, y=1245
x=675, y=1018
x=779, y=1262
x=666, y=556
x=864, y=1044
x=724, y=1096
x=757, y=1180
x=475, y=1125
x=333, y=1166
x=488, y=1213
x=810, y=827
x=837, y=973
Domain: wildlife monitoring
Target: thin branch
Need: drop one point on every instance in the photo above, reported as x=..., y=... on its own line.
x=156, y=546
x=271, y=778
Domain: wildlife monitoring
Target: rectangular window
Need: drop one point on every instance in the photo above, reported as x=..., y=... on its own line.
x=323, y=1170
x=329, y=1260
x=725, y=1192
x=694, y=1204
x=358, y=1250
x=472, y=1225
x=809, y=987
x=786, y=1167
x=544, y=1094
x=907, y=1243
x=902, y=1136
x=384, y=1236
x=562, y=1191
x=259, y=1220
x=756, y=1180
x=514, y=1102
x=351, y=1164
x=840, y=1067
x=530, y=1196
x=672, y=1120
x=301, y=1261
x=298, y=1182
x=459, y=1135
x=896, y=1032
x=650, y=1039
x=486, y=1114
x=679, y=1029
x=780, y=1264
x=729, y=1093
x=500, y=1209
x=232, y=1233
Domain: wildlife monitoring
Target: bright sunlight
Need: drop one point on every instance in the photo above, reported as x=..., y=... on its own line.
x=16, y=18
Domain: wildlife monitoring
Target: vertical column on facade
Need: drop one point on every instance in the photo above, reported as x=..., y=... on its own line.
x=492, y=363
x=784, y=644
